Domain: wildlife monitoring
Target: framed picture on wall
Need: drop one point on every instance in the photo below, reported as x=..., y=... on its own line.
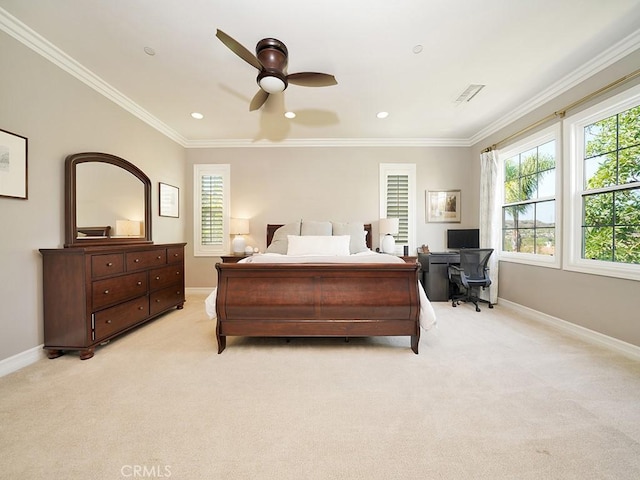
x=443, y=206
x=169, y=201
x=13, y=165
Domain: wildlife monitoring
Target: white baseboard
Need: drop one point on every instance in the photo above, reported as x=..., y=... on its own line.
x=199, y=290
x=21, y=360
x=590, y=336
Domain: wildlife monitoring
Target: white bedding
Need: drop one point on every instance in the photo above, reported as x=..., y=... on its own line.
x=427, y=314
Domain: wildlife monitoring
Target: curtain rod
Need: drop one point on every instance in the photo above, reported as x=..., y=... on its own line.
x=561, y=113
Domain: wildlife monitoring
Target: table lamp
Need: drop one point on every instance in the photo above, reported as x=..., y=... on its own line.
x=239, y=227
x=388, y=228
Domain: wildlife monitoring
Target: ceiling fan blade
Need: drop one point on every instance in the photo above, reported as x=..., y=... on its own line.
x=258, y=100
x=312, y=79
x=238, y=49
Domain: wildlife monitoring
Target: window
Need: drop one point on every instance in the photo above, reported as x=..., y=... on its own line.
x=604, y=190
x=211, y=209
x=397, y=200
x=530, y=227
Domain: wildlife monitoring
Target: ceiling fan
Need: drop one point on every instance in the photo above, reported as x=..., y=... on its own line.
x=271, y=60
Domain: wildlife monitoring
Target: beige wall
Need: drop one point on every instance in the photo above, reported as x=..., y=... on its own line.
x=602, y=304
x=60, y=116
x=279, y=185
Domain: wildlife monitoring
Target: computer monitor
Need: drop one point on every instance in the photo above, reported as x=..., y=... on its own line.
x=463, y=238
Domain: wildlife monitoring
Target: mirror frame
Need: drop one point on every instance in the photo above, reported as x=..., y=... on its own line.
x=71, y=236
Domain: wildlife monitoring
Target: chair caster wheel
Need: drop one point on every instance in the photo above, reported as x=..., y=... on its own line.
x=477, y=309
x=490, y=305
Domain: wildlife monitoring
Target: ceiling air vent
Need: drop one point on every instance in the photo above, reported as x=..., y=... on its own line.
x=470, y=92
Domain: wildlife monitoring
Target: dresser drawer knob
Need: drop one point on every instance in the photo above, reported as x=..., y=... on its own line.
x=109, y=321
x=157, y=278
x=109, y=264
x=157, y=300
x=141, y=308
x=139, y=283
x=106, y=292
x=178, y=272
x=175, y=254
x=137, y=260
x=159, y=257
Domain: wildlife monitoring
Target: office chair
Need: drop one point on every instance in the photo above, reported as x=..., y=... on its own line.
x=470, y=276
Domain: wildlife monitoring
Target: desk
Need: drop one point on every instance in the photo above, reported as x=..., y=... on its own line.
x=435, y=275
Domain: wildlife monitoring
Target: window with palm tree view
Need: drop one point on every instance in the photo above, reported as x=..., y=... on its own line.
x=529, y=205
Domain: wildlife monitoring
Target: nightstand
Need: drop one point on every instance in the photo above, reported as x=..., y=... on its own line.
x=233, y=258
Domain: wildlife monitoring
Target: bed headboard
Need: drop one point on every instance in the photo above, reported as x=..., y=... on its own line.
x=271, y=228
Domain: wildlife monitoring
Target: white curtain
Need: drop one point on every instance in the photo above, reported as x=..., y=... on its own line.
x=490, y=218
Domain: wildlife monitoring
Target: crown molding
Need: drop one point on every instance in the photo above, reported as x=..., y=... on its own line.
x=598, y=63
x=30, y=38
x=330, y=142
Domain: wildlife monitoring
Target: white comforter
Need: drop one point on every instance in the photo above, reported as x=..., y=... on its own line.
x=427, y=314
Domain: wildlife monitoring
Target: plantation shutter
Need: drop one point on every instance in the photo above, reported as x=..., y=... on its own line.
x=398, y=205
x=212, y=210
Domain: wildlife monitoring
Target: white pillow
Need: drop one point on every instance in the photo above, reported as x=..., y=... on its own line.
x=318, y=245
x=358, y=235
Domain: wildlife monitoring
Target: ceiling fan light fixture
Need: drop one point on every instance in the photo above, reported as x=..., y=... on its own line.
x=197, y=115
x=290, y=114
x=272, y=84
x=382, y=115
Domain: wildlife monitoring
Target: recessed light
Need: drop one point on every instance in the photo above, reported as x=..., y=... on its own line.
x=149, y=51
x=290, y=115
x=197, y=115
x=417, y=49
x=382, y=114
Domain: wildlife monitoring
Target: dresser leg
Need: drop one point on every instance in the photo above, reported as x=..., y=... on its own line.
x=86, y=354
x=52, y=353
x=180, y=306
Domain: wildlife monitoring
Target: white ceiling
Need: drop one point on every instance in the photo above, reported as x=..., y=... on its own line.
x=525, y=51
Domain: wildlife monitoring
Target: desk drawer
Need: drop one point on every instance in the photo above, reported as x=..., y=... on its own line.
x=113, y=290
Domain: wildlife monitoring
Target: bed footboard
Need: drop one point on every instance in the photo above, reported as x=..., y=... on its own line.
x=317, y=300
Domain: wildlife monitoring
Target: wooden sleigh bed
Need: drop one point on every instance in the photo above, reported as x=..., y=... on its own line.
x=317, y=299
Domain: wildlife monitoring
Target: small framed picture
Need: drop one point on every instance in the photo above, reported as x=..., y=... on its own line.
x=169, y=200
x=443, y=206
x=13, y=165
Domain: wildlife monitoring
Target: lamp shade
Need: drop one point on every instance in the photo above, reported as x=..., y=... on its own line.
x=239, y=226
x=128, y=228
x=389, y=226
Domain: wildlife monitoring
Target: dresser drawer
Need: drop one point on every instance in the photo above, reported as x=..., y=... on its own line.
x=175, y=254
x=165, y=276
x=146, y=259
x=166, y=298
x=108, y=264
x=114, y=319
x=112, y=290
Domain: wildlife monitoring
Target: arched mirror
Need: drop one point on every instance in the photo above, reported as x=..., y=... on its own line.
x=107, y=201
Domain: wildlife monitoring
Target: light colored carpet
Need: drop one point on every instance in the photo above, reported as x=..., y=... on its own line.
x=491, y=396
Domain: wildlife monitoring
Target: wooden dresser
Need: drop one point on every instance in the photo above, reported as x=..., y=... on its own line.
x=92, y=294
